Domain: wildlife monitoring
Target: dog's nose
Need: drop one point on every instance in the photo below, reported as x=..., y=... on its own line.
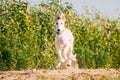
x=58, y=30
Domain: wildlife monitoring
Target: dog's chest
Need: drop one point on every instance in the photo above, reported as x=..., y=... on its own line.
x=60, y=41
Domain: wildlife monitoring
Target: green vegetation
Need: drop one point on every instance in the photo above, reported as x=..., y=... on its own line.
x=27, y=37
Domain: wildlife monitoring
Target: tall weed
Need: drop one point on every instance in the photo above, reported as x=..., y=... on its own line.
x=27, y=37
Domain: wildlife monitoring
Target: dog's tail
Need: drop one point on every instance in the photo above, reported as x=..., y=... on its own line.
x=74, y=58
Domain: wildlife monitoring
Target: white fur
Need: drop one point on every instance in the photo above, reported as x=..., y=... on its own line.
x=63, y=42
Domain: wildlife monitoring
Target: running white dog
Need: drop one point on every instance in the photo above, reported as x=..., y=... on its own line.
x=63, y=42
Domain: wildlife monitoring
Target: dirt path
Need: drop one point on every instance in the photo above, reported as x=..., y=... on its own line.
x=66, y=74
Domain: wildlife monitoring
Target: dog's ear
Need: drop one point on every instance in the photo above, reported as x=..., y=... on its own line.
x=63, y=17
x=60, y=16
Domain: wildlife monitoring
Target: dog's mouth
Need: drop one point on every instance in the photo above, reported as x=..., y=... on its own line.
x=58, y=32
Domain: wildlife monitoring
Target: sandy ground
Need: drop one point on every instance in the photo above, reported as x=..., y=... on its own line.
x=64, y=74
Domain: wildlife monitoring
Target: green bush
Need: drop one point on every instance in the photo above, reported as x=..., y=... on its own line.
x=27, y=37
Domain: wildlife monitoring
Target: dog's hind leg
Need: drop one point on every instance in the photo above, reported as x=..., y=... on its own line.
x=65, y=52
x=71, y=56
x=69, y=62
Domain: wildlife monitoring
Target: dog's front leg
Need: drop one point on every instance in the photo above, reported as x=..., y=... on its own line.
x=65, y=51
x=66, y=55
x=60, y=58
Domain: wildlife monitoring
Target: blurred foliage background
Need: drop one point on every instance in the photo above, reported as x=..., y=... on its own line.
x=27, y=36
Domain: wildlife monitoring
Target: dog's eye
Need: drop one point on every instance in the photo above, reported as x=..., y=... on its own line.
x=61, y=23
x=56, y=23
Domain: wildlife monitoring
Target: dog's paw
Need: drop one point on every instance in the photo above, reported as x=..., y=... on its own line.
x=57, y=67
x=68, y=65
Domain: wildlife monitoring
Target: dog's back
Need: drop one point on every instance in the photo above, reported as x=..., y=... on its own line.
x=69, y=33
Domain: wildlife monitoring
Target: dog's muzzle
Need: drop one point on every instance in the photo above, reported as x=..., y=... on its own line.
x=58, y=32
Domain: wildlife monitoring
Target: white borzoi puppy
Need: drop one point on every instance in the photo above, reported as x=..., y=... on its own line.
x=63, y=42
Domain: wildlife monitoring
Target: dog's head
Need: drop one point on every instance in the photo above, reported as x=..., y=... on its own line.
x=59, y=21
